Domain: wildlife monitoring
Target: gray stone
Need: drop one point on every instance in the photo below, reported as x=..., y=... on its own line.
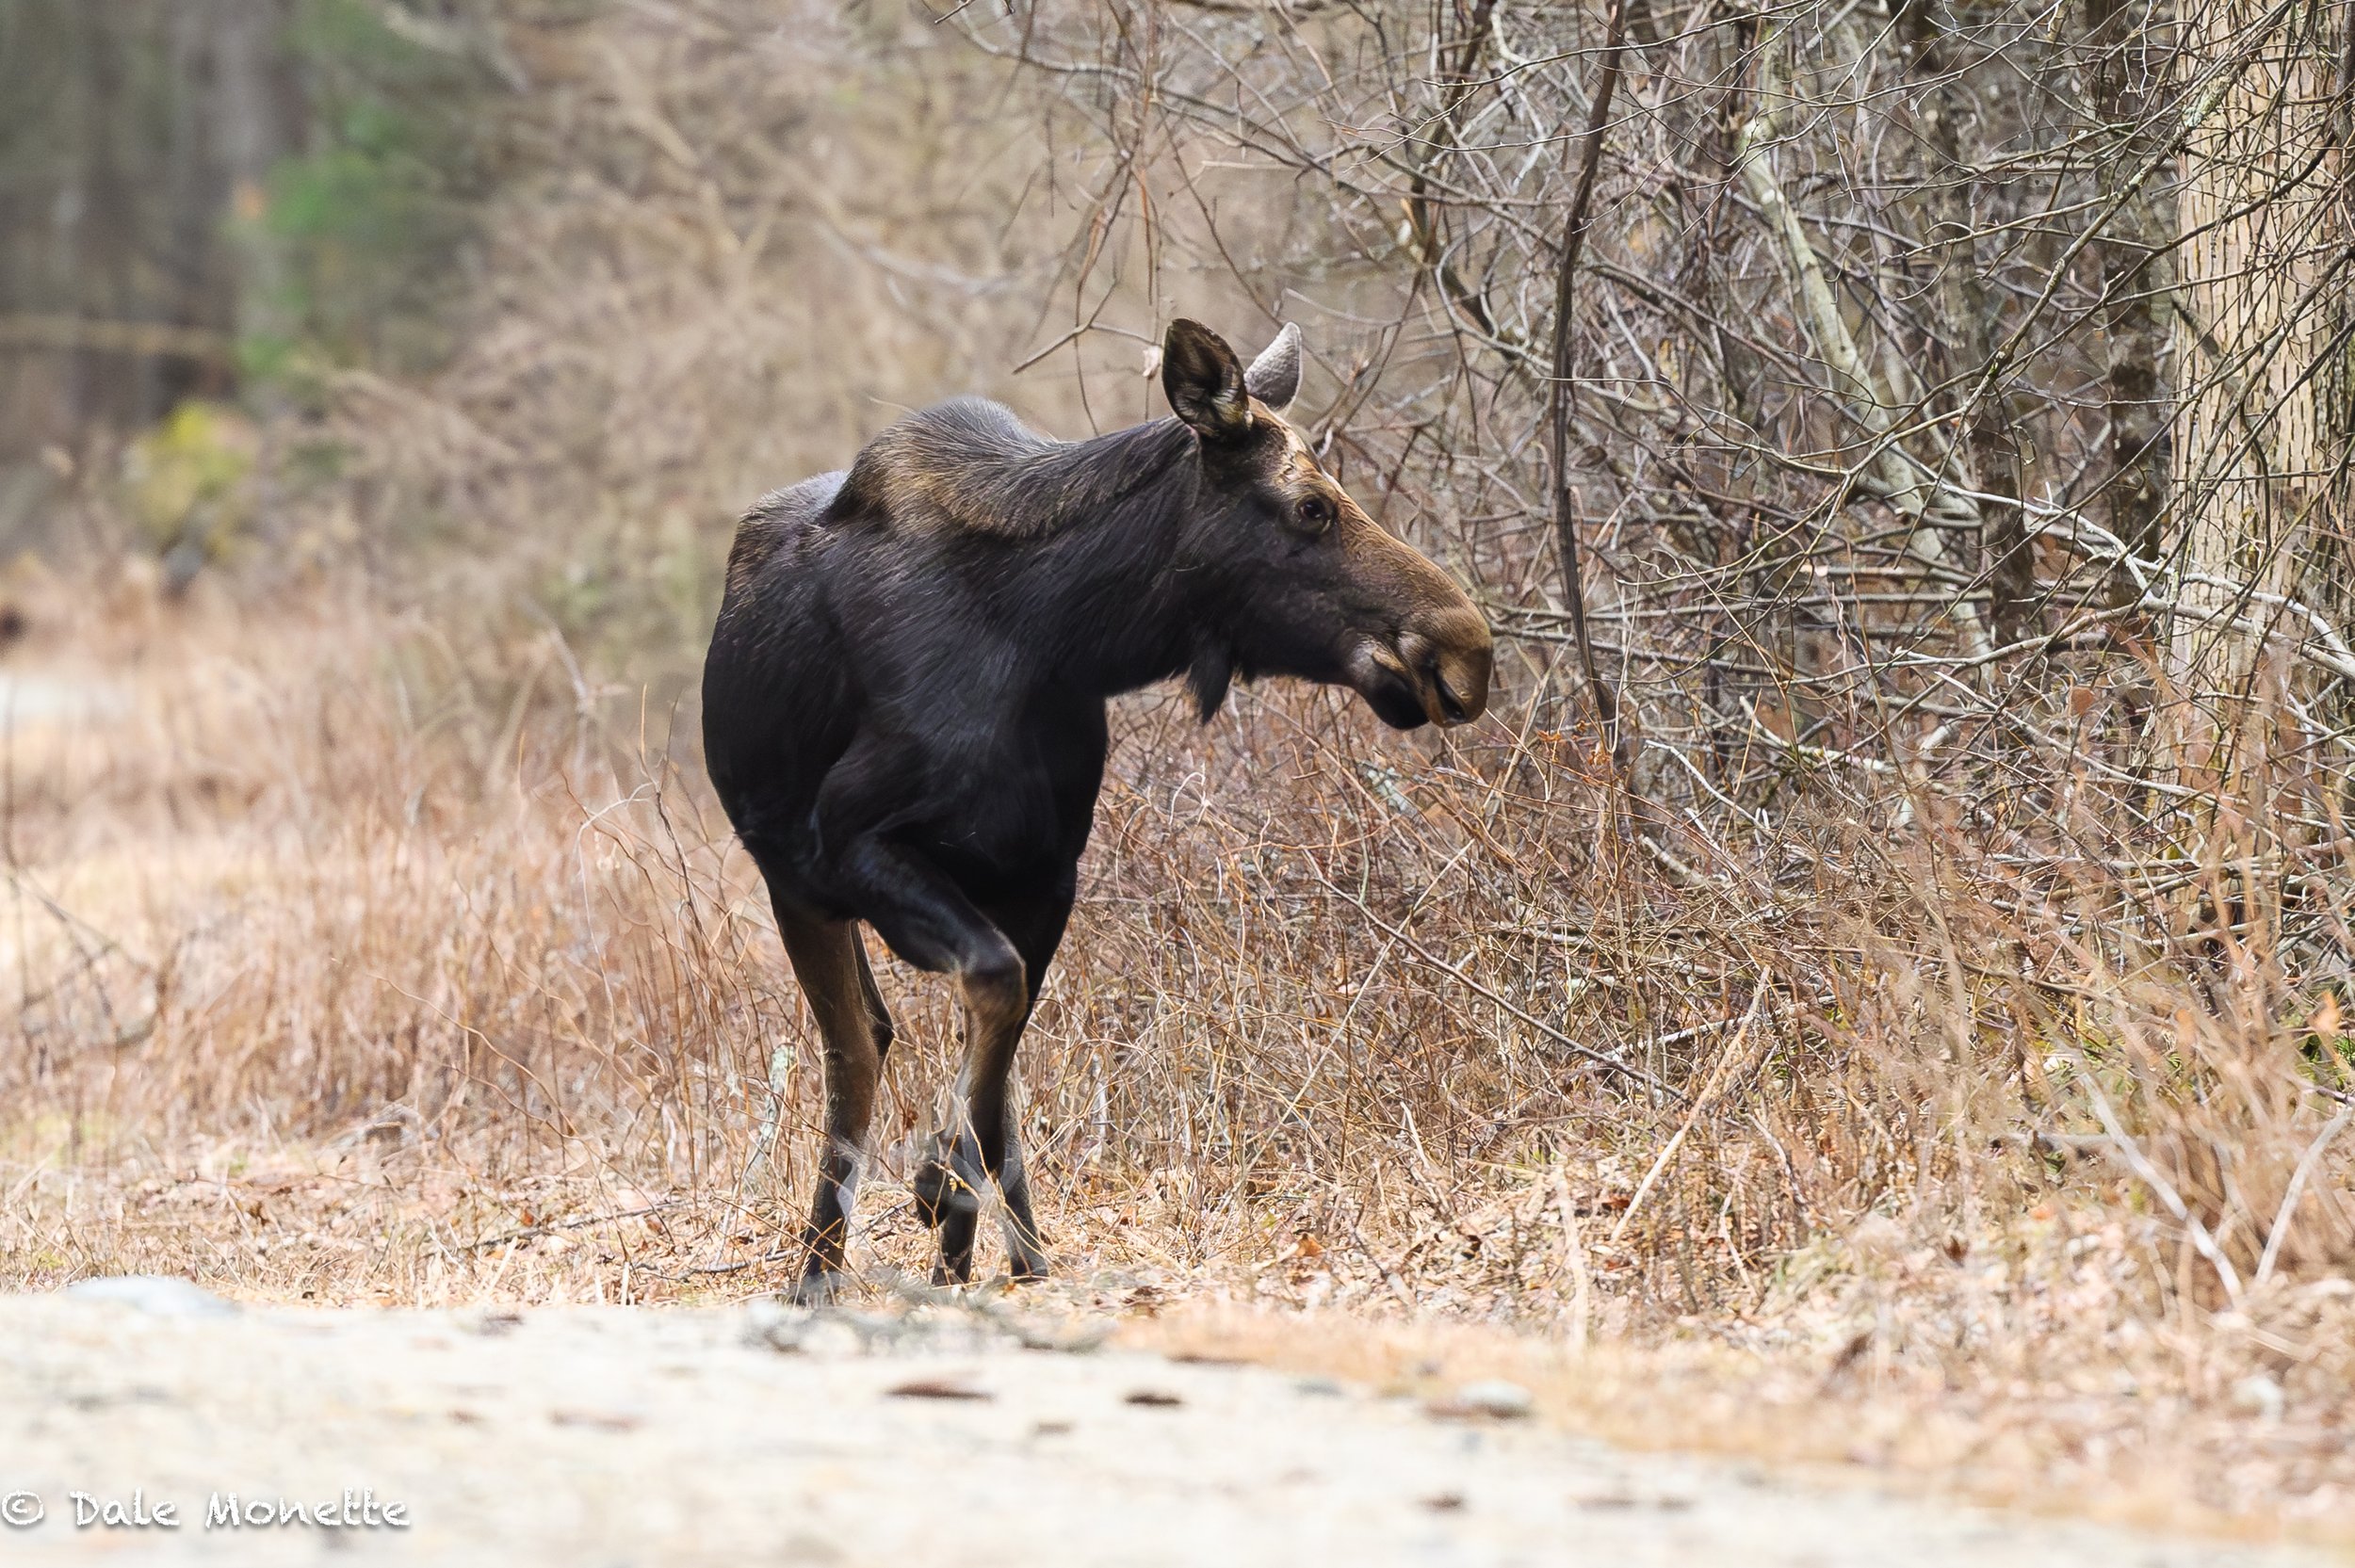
x=161, y=1295
x=1493, y=1397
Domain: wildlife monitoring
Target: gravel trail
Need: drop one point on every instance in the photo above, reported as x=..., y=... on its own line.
x=605, y=1437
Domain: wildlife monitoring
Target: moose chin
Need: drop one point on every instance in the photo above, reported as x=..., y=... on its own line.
x=904, y=704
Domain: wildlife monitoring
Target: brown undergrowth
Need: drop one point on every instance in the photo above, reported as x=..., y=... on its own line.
x=356, y=961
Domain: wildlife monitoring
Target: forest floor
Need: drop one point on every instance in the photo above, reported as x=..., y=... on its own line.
x=964, y=1431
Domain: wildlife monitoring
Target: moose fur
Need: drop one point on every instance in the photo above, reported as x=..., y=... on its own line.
x=904, y=704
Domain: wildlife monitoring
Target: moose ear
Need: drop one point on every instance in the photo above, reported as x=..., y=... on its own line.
x=1274, y=378
x=1203, y=381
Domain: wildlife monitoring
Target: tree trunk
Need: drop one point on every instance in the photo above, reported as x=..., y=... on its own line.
x=1992, y=447
x=2136, y=265
x=2256, y=452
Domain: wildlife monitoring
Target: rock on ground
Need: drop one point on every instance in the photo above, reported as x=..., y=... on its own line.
x=611, y=1437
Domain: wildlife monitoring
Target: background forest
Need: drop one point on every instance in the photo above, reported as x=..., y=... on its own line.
x=1884, y=954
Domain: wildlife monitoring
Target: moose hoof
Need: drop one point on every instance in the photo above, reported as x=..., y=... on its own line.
x=941, y=1196
x=818, y=1288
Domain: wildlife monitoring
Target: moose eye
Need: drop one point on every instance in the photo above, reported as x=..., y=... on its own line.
x=1315, y=513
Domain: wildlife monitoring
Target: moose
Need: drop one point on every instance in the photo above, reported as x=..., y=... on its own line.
x=905, y=706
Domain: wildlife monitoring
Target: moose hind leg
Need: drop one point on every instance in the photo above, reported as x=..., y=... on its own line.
x=831, y=967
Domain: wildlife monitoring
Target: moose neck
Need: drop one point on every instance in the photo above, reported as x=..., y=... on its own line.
x=1119, y=597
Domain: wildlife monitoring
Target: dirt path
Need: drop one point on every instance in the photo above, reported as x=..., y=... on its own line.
x=605, y=1437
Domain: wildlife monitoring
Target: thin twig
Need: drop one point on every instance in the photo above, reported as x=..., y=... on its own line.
x=1574, y=229
x=1725, y=1062
x=550, y=1228
x=2296, y=1191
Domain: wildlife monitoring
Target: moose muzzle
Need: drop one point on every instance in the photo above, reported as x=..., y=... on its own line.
x=1437, y=672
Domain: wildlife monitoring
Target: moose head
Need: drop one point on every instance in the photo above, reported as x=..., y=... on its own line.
x=1307, y=584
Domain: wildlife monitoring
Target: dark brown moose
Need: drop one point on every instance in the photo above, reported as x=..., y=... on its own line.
x=904, y=704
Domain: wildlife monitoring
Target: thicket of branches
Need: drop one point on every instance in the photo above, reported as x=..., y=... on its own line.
x=1917, y=362
x=1920, y=430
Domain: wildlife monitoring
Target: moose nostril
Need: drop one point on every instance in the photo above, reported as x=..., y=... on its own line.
x=1452, y=706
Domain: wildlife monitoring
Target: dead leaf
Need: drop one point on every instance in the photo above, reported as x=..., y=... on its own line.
x=600, y=1420
x=937, y=1388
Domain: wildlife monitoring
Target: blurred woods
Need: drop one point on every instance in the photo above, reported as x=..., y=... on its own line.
x=1902, y=444
x=205, y=199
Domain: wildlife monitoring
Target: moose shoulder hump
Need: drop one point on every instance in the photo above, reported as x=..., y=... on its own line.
x=969, y=465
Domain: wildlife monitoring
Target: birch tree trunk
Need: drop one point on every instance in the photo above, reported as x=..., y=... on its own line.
x=1922, y=492
x=2256, y=448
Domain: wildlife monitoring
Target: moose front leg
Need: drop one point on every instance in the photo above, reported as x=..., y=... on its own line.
x=1036, y=928
x=948, y=1187
x=985, y=1143
x=1026, y=1248
x=971, y=1154
x=930, y=922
